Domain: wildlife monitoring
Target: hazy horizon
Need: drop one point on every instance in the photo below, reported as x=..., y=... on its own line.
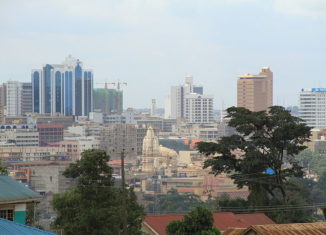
x=152, y=45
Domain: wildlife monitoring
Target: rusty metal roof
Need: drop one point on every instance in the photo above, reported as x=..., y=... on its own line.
x=318, y=228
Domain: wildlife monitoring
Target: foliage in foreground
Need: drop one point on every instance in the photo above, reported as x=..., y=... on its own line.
x=94, y=205
x=3, y=169
x=198, y=222
x=264, y=140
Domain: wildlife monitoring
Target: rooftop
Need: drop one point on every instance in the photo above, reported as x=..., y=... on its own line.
x=12, y=228
x=13, y=191
x=222, y=220
x=284, y=229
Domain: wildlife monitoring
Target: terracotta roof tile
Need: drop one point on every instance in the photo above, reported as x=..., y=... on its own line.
x=222, y=220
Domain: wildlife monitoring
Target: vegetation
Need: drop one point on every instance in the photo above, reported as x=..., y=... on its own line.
x=3, y=170
x=198, y=222
x=173, y=202
x=314, y=162
x=266, y=156
x=94, y=205
x=264, y=140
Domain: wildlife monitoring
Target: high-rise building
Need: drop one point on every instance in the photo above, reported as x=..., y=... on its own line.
x=63, y=88
x=255, y=92
x=109, y=101
x=189, y=102
x=3, y=96
x=313, y=107
x=18, y=98
x=153, y=108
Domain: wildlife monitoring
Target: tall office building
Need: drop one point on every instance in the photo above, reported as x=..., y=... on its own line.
x=109, y=101
x=18, y=98
x=255, y=92
x=313, y=107
x=3, y=96
x=188, y=101
x=63, y=88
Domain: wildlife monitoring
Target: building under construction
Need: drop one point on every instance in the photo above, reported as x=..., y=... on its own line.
x=109, y=101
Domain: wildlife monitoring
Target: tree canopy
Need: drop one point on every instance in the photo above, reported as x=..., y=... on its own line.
x=3, y=169
x=198, y=222
x=265, y=140
x=94, y=205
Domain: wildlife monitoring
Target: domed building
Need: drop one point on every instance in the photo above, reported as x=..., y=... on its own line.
x=156, y=158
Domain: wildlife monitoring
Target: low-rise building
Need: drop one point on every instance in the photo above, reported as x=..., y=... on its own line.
x=14, y=198
x=156, y=224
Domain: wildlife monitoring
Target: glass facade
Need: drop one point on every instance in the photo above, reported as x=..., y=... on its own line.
x=65, y=89
x=47, y=88
x=36, y=92
x=88, y=76
x=58, y=90
x=68, y=93
x=78, y=90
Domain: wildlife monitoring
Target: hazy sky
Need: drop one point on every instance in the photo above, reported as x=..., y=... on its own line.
x=153, y=44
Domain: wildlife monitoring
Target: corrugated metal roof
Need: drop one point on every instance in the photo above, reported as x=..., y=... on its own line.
x=234, y=231
x=318, y=228
x=11, y=190
x=11, y=228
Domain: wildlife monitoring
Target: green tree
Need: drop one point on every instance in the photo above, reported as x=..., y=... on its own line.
x=264, y=140
x=312, y=161
x=3, y=170
x=198, y=222
x=174, y=202
x=94, y=205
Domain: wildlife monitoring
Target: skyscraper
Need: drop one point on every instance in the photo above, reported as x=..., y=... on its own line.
x=313, y=107
x=255, y=92
x=188, y=101
x=18, y=99
x=109, y=101
x=63, y=88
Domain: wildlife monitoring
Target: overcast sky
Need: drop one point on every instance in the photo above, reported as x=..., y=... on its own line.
x=153, y=44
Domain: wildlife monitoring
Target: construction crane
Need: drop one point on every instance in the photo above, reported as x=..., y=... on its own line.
x=117, y=84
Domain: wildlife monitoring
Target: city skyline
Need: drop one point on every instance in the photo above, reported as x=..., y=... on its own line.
x=155, y=44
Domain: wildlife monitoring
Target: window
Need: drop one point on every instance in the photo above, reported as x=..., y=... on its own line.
x=7, y=214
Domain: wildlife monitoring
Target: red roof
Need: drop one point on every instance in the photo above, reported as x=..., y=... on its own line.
x=222, y=220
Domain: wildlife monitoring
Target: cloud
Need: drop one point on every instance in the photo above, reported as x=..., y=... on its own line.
x=311, y=8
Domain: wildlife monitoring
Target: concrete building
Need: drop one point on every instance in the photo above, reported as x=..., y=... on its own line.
x=255, y=92
x=49, y=178
x=312, y=108
x=50, y=133
x=116, y=138
x=18, y=98
x=109, y=101
x=19, y=136
x=63, y=88
x=188, y=101
x=198, y=108
x=3, y=96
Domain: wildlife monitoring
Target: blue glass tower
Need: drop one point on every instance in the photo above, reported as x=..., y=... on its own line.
x=65, y=88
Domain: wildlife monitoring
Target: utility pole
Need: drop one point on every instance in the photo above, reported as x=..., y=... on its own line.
x=122, y=134
x=123, y=190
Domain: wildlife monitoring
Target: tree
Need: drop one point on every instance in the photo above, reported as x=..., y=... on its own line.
x=264, y=140
x=3, y=170
x=174, y=202
x=198, y=222
x=94, y=205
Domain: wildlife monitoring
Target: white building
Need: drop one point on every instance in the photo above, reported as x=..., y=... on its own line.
x=188, y=101
x=313, y=107
x=18, y=98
